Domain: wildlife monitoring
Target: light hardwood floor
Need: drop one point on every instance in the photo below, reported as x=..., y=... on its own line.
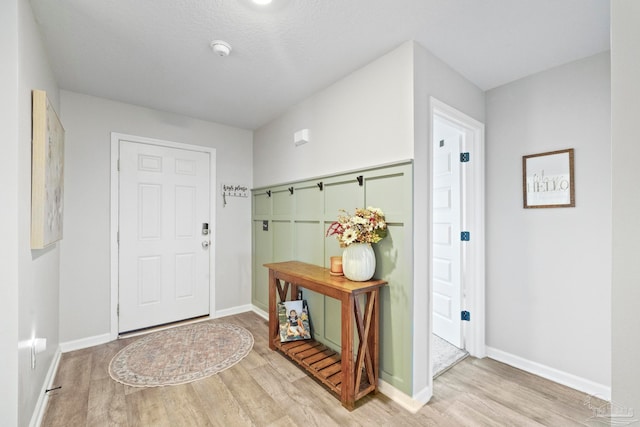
x=266, y=389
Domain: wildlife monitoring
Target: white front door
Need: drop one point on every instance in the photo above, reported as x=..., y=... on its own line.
x=163, y=253
x=446, y=232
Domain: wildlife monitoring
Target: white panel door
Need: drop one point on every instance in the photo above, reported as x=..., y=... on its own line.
x=446, y=233
x=163, y=255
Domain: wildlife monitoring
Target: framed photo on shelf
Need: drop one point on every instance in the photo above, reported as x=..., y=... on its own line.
x=293, y=317
x=547, y=180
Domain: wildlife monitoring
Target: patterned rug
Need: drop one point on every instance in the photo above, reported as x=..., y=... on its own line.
x=181, y=355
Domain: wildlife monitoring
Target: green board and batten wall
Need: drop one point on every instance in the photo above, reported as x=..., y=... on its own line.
x=290, y=222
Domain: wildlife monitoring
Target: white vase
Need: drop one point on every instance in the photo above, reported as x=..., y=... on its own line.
x=359, y=262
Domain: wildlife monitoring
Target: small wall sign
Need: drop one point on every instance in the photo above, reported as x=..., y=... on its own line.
x=235, y=190
x=547, y=180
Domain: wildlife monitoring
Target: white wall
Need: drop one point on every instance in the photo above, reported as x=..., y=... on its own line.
x=39, y=272
x=85, y=282
x=432, y=78
x=625, y=69
x=30, y=279
x=9, y=212
x=549, y=270
x=362, y=120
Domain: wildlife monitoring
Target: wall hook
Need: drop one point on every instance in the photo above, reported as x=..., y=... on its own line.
x=320, y=185
x=268, y=193
x=360, y=179
x=291, y=190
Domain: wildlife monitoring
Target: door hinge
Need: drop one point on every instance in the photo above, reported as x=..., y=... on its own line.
x=465, y=315
x=465, y=236
x=464, y=157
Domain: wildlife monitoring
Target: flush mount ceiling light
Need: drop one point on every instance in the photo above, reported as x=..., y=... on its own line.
x=264, y=6
x=221, y=47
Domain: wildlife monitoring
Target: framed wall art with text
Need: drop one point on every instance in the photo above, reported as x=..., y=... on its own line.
x=547, y=180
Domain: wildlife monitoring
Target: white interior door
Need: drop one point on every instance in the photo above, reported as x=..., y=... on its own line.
x=163, y=254
x=446, y=232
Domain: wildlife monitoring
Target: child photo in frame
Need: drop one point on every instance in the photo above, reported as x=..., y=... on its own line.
x=293, y=317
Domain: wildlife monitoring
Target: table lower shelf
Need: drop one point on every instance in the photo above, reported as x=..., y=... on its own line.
x=322, y=363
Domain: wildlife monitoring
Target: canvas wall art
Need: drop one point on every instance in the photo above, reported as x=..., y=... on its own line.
x=47, y=173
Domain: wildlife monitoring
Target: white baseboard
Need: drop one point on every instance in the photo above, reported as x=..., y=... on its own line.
x=105, y=338
x=423, y=397
x=43, y=398
x=233, y=310
x=68, y=346
x=581, y=384
x=411, y=404
x=260, y=312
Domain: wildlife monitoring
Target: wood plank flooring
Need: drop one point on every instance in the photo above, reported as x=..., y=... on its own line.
x=266, y=389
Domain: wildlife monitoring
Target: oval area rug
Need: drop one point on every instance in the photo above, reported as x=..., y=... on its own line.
x=181, y=355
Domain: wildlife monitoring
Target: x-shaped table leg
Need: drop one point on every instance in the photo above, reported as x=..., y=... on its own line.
x=363, y=324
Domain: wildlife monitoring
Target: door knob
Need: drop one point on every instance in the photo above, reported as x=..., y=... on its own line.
x=206, y=244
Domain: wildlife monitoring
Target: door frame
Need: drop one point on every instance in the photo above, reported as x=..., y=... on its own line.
x=115, y=201
x=473, y=219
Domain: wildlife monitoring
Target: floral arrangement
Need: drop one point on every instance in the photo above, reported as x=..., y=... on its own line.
x=364, y=226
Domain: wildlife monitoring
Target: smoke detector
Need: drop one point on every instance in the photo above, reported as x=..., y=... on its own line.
x=221, y=48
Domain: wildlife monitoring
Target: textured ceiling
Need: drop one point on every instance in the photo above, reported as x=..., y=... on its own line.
x=156, y=53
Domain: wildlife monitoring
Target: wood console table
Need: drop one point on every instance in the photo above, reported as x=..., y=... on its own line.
x=341, y=373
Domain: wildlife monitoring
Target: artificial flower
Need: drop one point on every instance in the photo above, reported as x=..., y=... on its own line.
x=364, y=226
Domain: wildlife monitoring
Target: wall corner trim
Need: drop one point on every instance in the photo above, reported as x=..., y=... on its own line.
x=411, y=404
x=260, y=312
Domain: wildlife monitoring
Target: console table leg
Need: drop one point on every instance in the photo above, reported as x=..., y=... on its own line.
x=348, y=391
x=273, y=315
x=374, y=337
x=364, y=321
